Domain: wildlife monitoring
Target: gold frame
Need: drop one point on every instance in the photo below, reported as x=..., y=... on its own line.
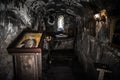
x=35, y=36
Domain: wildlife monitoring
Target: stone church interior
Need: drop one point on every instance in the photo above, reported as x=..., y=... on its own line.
x=59, y=40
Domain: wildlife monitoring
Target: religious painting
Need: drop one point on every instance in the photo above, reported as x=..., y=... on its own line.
x=30, y=40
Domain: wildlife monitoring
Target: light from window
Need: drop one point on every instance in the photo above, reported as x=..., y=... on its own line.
x=60, y=23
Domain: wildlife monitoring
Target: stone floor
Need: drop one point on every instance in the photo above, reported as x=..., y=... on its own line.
x=65, y=69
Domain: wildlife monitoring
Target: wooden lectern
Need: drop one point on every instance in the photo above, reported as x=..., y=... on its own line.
x=26, y=50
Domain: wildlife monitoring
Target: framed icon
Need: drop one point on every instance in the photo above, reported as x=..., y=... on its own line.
x=30, y=40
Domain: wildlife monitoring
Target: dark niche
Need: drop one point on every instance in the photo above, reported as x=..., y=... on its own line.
x=116, y=35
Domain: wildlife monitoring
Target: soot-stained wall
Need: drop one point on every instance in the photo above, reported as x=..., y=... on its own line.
x=13, y=19
x=15, y=16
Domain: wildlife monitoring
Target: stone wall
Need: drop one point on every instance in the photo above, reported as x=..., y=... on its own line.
x=18, y=15
x=12, y=21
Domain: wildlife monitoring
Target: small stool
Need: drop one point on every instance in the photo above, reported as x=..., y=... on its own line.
x=102, y=68
x=101, y=73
